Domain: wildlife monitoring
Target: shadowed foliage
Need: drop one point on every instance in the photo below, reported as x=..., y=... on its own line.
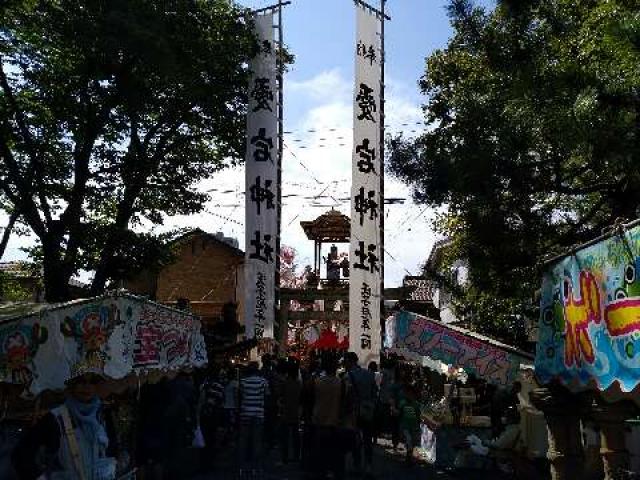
x=111, y=113
x=533, y=140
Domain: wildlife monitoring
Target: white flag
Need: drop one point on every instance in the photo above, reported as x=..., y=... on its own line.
x=261, y=199
x=366, y=252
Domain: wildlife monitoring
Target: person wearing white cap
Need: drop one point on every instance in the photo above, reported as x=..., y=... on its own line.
x=70, y=442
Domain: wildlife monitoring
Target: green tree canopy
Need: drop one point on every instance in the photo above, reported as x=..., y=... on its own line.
x=532, y=141
x=111, y=112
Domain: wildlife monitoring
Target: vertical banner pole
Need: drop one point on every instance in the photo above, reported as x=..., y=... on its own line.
x=367, y=197
x=280, y=64
x=383, y=60
x=261, y=187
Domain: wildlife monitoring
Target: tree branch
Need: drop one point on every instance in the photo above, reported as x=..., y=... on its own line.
x=134, y=177
x=10, y=162
x=71, y=217
x=17, y=112
x=6, y=234
x=570, y=235
x=22, y=200
x=36, y=171
x=155, y=129
x=81, y=159
x=599, y=187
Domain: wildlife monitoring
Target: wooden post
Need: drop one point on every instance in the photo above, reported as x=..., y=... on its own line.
x=613, y=449
x=562, y=411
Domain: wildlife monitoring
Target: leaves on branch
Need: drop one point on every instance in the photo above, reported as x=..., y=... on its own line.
x=111, y=113
x=533, y=138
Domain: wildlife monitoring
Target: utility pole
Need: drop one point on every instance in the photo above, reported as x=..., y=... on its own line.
x=383, y=55
x=280, y=78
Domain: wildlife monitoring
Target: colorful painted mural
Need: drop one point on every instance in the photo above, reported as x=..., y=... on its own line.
x=590, y=316
x=18, y=346
x=119, y=334
x=418, y=335
x=87, y=328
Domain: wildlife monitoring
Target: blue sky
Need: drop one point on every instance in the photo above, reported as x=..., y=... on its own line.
x=320, y=34
x=318, y=97
x=318, y=88
x=317, y=31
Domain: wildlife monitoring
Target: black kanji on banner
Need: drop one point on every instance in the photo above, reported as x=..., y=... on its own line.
x=267, y=48
x=365, y=304
x=367, y=258
x=366, y=204
x=260, y=194
x=262, y=247
x=366, y=103
x=263, y=144
x=368, y=52
x=261, y=305
x=262, y=94
x=366, y=163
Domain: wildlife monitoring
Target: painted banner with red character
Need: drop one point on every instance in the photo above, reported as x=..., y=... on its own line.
x=589, y=330
x=118, y=334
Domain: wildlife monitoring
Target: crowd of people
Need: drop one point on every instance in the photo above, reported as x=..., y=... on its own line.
x=328, y=414
x=325, y=416
x=315, y=416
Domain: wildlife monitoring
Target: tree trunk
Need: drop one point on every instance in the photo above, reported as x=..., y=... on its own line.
x=125, y=212
x=107, y=254
x=56, y=283
x=7, y=232
x=100, y=278
x=56, y=277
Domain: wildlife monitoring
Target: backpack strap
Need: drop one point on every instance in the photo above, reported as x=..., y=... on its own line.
x=72, y=441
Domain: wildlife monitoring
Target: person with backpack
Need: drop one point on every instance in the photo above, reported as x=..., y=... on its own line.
x=329, y=392
x=72, y=441
x=365, y=395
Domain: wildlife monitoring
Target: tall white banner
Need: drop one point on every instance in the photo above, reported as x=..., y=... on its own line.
x=261, y=199
x=365, y=251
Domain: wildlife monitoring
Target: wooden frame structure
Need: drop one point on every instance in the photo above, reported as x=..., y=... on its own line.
x=330, y=227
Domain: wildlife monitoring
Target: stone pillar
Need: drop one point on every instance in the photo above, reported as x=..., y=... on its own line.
x=562, y=411
x=611, y=420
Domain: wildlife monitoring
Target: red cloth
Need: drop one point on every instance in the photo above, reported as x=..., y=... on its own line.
x=329, y=341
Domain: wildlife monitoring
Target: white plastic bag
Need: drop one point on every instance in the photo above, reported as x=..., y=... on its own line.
x=105, y=469
x=476, y=446
x=198, y=438
x=427, y=445
x=480, y=450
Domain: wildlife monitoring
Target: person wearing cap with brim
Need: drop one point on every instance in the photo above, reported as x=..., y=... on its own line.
x=71, y=441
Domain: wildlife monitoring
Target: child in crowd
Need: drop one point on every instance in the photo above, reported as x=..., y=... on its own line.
x=409, y=419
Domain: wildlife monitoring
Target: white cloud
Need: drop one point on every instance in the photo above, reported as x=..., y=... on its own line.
x=323, y=143
x=328, y=85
